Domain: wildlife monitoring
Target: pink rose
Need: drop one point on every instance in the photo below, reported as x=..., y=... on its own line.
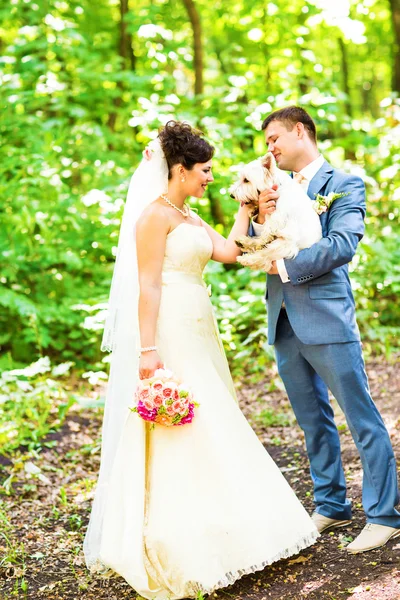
x=144, y=393
x=157, y=385
x=147, y=153
x=170, y=410
x=167, y=392
x=157, y=400
x=176, y=394
x=177, y=406
x=148, y=404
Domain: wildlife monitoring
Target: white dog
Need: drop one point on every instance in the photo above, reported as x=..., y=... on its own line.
x=294, y=224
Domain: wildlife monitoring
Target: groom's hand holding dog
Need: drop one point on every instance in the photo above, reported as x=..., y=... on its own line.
x=266, y=206
x=267, y=203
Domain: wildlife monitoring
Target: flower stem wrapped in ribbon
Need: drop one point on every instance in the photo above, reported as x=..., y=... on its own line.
x=164, y=399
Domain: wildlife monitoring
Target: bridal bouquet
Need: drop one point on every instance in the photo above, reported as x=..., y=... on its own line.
x=164, y=399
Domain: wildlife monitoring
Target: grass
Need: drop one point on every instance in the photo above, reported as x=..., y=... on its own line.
x=269, y=418
x=12, y=553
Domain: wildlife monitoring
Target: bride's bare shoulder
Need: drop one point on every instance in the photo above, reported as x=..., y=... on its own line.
x=154, y=215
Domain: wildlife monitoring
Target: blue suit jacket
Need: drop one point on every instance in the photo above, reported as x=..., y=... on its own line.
x=318, y=299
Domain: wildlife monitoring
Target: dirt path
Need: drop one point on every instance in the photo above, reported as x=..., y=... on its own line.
x=43, y=520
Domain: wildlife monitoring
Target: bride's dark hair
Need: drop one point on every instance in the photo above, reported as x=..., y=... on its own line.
x=182, y=144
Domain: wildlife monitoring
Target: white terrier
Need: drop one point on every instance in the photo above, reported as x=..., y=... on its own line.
x=294, y=224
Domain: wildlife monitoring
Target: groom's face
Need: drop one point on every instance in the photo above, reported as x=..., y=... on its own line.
x=285, y=144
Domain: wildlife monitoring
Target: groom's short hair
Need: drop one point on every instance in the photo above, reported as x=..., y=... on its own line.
x=291, y=115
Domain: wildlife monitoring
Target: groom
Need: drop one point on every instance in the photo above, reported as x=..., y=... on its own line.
x=311, y=322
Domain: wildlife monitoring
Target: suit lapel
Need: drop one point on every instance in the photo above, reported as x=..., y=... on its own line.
x=319, y=180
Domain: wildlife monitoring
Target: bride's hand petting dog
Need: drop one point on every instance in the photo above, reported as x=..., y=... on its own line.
x=289, y=226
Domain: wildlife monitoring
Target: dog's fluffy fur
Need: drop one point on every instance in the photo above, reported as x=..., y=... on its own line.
x=294, y=224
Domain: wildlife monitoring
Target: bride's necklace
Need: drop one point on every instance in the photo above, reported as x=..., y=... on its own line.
x=184, y=210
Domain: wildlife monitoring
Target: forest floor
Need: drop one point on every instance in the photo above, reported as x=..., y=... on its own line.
x=43, y=516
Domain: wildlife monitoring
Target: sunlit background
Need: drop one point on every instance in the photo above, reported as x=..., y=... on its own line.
x=85, y=85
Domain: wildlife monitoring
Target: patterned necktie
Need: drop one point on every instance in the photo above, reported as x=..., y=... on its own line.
x=299, y=178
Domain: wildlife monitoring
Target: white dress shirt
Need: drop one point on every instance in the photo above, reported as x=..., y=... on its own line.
x=308, y=173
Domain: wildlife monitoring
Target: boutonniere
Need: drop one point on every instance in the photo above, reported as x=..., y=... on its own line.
x=322, y=203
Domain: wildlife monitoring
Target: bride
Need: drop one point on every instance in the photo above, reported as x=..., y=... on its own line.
x=180, y=511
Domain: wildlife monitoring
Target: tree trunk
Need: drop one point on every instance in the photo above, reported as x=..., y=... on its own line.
x=217, y=213
x=125, y=38
x=112, y=117
x=265, y=49
x=224, y=69
x=125, y=51
x=345, y=72
x=194, y=17
x=348, y=152
x=395, y=10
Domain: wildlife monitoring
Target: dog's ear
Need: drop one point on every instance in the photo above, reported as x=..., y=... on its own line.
x=268, y=161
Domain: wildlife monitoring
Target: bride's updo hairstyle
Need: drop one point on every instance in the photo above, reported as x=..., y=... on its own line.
x=184, y=145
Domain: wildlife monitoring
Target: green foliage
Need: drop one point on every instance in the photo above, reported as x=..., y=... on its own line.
x=238, y=296
x=269, y=418
x=12, y=552
x=77, y=111
x=33, y=402
x=376, y=270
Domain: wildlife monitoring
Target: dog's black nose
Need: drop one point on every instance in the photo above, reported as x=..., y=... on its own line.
x=232, y=196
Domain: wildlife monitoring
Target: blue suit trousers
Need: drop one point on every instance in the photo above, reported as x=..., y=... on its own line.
x=307, y=371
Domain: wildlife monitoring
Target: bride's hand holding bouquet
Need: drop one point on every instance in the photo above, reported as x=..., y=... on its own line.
x=149, y=363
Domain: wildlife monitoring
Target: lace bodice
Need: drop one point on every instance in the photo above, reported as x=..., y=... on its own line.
x=188, y=250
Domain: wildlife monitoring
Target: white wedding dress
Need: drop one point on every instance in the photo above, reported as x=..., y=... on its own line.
x=191, y=509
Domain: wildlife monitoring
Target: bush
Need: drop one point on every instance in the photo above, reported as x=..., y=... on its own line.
x=33, y=402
